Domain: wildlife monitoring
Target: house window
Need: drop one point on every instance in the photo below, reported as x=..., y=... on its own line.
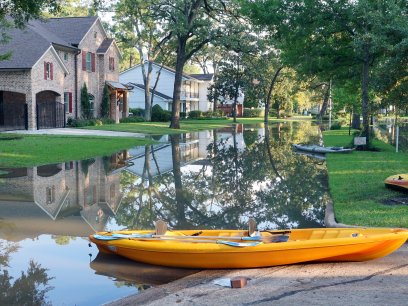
x=48, y=71
x=65, y=56
x=91, y=103
x=50, y=194
x=68, y=102
x=95, y=34
x=111, y=63
x=89, y=61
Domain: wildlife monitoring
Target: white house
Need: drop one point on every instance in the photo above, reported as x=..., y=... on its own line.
x=163, y=94
x=194, y=90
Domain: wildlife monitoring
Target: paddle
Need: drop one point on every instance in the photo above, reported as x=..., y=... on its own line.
x=279, y=236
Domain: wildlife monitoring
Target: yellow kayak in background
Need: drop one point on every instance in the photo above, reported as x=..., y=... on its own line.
x=213, y=249
x=398, y=181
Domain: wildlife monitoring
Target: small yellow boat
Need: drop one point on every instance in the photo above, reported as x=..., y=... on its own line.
x=398, y=181
x=209, y=249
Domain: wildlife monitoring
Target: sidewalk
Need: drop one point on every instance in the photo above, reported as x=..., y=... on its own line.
x=377, y=282
x=77, y=132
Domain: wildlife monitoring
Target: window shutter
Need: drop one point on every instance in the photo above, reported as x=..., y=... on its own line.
x=51, y=71
x=93, y=61
x=83, y=60
x=45, y=70
x=70, y=102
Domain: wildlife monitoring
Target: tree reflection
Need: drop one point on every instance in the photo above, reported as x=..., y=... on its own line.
x=29, y=289
x=264, y=180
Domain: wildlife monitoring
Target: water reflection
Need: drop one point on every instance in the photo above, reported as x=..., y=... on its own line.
x=209, y=179
x=240, y=173
x=81, y=195
x=29, y=288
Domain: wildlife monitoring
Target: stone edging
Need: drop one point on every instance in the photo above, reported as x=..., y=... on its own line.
x=329, y=218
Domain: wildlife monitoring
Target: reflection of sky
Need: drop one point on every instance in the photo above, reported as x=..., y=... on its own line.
x=75, y=283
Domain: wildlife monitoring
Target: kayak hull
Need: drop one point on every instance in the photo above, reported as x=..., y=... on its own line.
x=398, y=182
x=321, y=149
x=309, y=245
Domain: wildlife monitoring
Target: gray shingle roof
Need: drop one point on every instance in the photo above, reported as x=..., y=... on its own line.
x=104, y=45
x=203, y=77
x=27, y=45
x=72, y=29
x=156, y=93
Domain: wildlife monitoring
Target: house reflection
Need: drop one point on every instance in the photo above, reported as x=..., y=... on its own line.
x=79, y=195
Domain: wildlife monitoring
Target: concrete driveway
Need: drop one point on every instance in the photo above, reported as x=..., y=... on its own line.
x=378, y=282
x=78, y=132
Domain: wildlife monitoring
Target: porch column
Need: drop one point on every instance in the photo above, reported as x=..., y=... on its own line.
x=31, y=110
x=114, y=113
x=125, y=112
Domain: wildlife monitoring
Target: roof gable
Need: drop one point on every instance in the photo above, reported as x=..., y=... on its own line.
x=165, y=68
x=156, y=93
x=72, y=29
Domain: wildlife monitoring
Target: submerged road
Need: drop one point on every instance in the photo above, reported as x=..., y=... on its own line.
x=378, y=282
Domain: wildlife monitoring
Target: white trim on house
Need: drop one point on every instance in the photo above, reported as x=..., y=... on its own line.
x=185, y=75
x=59, y=60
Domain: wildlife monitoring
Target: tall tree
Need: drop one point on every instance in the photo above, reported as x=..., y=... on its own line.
x=193, y=23
x=335, y=38
x=137, y=27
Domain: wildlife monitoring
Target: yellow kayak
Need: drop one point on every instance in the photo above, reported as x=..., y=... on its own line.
x=398, y=181
x=209, y=249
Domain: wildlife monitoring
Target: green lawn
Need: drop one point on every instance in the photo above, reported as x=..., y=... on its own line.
x=161, y=128
x=356, y=183
x=34, y=150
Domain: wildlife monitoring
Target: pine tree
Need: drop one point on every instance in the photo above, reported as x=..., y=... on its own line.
x=85, y=103
x=105, y=103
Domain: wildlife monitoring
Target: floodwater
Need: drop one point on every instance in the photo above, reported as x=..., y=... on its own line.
x=210, y=179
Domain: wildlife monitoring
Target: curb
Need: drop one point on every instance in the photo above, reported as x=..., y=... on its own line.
x=330, y=220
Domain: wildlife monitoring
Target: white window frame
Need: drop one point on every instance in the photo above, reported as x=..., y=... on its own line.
x=66, y=102
x=88, y=61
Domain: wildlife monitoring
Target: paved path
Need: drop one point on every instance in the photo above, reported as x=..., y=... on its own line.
x=378, y=282
x=78, y=132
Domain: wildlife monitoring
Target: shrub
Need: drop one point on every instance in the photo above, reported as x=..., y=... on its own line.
x=138, y=112
x=253, y=112
x=88, y=122
x=183, y=115
x=108, y=121
x=105, y=102
x=336, y=126
x=195, y=114
x=131, y=120
x=159, y=114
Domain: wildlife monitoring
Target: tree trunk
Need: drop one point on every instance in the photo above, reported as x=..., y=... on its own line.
x=234, y=105
x=178, y=185
x=277, y=110
x=356, y=121
x=365, y=98
x=325, y=103
x=175, y=114
x=269, y=96
x=146, y=78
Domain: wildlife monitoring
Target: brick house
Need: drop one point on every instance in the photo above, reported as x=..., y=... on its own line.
x=40, y=84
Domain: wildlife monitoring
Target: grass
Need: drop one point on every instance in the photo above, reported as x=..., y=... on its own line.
x=186, y=126
x=34, y=150
x=356, y=183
